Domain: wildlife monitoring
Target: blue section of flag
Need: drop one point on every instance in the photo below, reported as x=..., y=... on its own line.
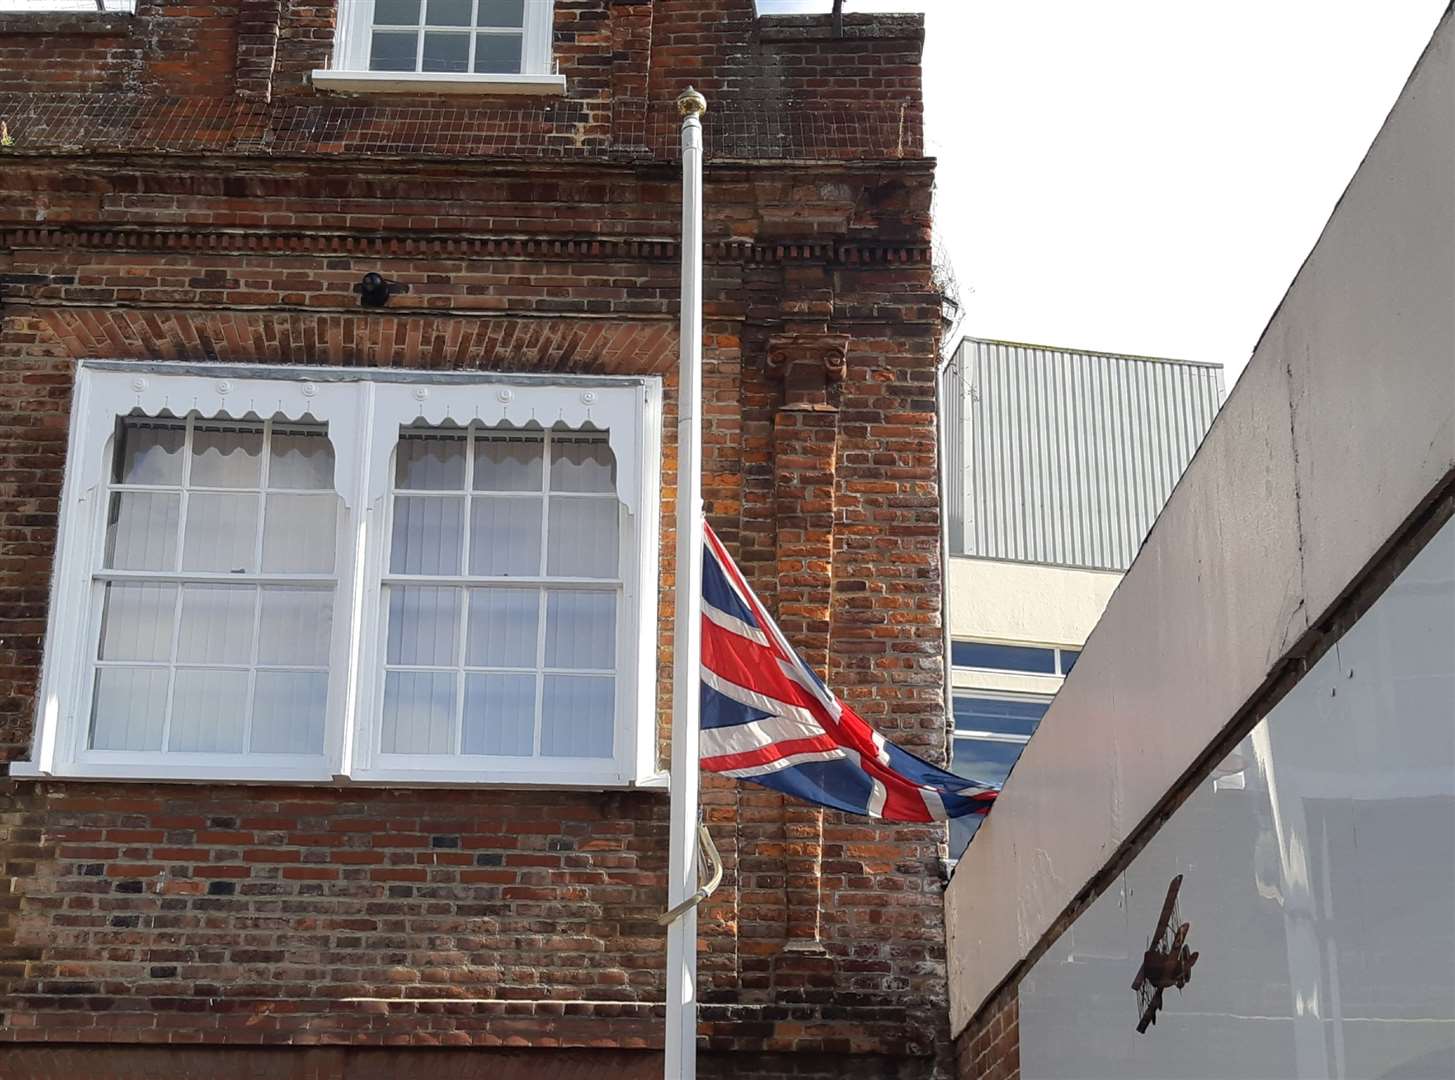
x=719, y=710
x=717, y=593
x=839, y=785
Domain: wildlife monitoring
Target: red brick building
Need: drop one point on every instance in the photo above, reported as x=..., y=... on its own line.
x=335, y=612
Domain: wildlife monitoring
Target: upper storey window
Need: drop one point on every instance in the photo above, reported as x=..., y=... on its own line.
x=443, y=46
x=485, y=36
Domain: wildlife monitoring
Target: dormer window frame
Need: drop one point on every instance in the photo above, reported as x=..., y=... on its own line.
x=353, y=38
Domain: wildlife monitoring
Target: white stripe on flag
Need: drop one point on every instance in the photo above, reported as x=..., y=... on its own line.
x=796, y=670
x=786, y=763
x=933, y=803
x=879, y=747
x=876, y=800
x=734, y=625
x=743, y=696
x=740, y=738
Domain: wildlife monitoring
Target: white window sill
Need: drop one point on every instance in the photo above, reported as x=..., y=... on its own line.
x=429, y=82
x=192, y=773
x=242, y=774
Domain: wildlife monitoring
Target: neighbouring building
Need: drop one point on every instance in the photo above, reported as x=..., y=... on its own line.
x=337, y=416
x=1254, y=759
x=1057, y=461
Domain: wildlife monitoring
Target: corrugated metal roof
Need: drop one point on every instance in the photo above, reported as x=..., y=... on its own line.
x=1065, y=456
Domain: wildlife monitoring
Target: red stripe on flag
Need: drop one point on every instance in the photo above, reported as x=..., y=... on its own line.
x=765, y=755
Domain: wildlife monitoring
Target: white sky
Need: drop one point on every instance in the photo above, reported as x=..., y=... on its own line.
x=1146, y=176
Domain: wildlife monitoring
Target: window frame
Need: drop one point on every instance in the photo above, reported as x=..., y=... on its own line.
x=348, y=68
x=1060, y=668
x=356, y=406
x=285, y=766
x=980, y=694
x=961, y=825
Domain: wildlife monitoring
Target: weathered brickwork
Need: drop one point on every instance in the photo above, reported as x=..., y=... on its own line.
x=178, y=190
x=990, y=1046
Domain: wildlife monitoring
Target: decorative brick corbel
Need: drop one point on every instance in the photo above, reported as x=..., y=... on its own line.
x=807, y=363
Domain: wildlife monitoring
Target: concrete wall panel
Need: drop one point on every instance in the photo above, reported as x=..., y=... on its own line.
x=1368, y=336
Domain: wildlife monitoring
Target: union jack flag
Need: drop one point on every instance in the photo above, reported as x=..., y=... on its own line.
x=766, y=717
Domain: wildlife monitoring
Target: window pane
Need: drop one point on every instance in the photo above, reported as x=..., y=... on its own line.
x=1068, y=660
x=499, y=715
x=300, y=459
x=295, y=627
x=221, y=533
x=580, y=629
x=501, y=13
x=446, y=52
x=986, y=762
x=136, y=622
x=1003, y=657
x=428, y=535
x=1000, y=716
x=396, y=12
x=505, y=536
x=209, y=711
x=217, y=624
x=502, y=628
x=581, y=539
x=393, y=50
x=577, y=712
x=419, y=712
x=225, y=456
x=509, y=463
x=447, y=13
x=150, y=452
x=497, y=54
x=141, y=531
x=432, y=462
x=582, y=465
x=288, y=710
x=299, y=534
x=423, y=624
x=129, y=708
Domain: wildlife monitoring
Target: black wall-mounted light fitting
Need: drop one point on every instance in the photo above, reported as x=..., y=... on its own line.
x=375, y=290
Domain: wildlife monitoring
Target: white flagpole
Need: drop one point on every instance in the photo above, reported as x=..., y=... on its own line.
x=681, y=1057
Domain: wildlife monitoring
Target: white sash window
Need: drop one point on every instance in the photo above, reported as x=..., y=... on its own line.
x=280, y=574
x=443, y=46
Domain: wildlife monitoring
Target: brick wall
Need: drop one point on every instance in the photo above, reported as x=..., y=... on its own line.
x=219, y=916
x=237, y=74
x=68, y=53
x=990, y=1046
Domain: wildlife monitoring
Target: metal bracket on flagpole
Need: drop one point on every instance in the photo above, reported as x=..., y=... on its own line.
x=709, y=864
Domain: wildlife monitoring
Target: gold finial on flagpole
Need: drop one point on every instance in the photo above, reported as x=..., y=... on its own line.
x=691, y=103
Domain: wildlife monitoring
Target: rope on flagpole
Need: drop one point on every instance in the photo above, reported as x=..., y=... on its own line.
x=709, y=865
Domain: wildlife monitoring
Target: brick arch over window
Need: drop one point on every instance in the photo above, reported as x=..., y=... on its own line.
x=578, y=346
